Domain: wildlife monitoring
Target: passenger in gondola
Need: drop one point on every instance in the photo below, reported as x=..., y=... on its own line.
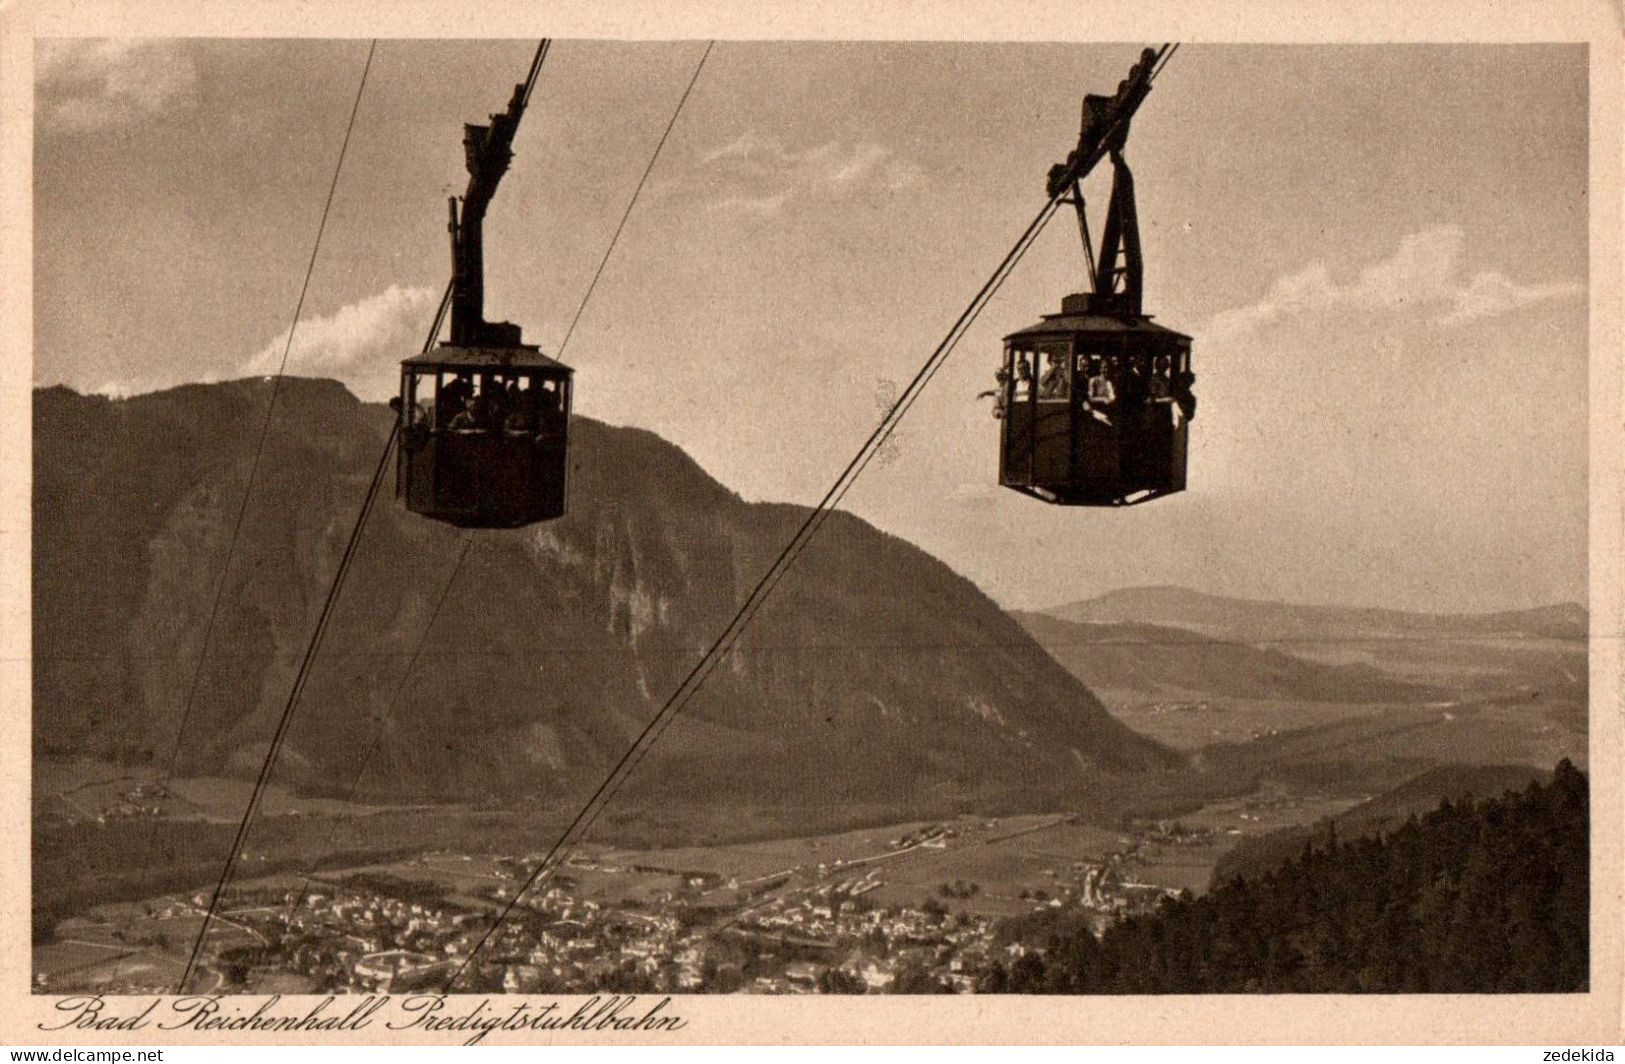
x=469, y=418
x=481, y=411
x=551, y=421
x=1158, y=403
x=1117, y=371
x=1100, y=396
x=496, y=403
x=1054, y=383
x=1024, y=375
x=416, y=421
x=1183, y=396
x=518, y=420
x=1001, y=377
x=453, y=400
x=1159, y=389
x=1132, y=387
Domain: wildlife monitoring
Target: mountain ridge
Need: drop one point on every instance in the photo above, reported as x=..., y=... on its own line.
x=875, y=671
x=1154, y=660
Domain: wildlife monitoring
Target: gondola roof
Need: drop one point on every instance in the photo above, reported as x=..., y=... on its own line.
x=455, y=357
x=1066, y=324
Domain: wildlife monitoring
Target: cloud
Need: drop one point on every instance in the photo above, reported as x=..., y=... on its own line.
x=361, y=344
x=87, y=84
x=759, y=175
x=125, y=387
x=1491, y=293
x=1426, y=271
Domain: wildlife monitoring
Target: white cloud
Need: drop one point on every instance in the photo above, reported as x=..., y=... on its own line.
x=759, y=175
x=88, y=84
x=361, y=344
x=1425, y=271
x=1491, y=293
x=125, y=387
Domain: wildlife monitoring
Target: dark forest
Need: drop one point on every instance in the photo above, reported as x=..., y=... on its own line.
x=1474, y=897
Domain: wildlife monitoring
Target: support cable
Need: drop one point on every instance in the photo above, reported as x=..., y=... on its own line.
x=259, y=453
x=593, y=284
x=468, y=540
x=731, y=634
x=542, y=48
x=261, y=783
x=228, y=870
x=270, y=407
x=764, y=587
x=696, y=677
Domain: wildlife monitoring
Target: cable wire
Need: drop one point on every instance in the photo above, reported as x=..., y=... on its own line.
x=270, y=407
x=262, y=781
x=542, y=48
x=280, y=734
x=787, y=557
x=259, y=452
x=723, y=644
x=764, y=587
x=383, y=717
x=270, y=410
x=302, y=676
x=634, y=200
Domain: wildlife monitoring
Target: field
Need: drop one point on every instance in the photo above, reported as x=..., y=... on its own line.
x=1198, y=721
x=1190, y=866
x=1510, y=730
x=78, y=789
x=1003, y=856
x=87, y=951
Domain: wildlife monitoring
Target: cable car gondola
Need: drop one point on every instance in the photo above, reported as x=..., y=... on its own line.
x=1095, y=402
x=484, y=416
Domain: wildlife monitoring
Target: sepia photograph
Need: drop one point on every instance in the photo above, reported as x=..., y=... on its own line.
x=647, y=517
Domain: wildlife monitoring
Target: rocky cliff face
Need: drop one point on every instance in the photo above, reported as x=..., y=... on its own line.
x=874, y=673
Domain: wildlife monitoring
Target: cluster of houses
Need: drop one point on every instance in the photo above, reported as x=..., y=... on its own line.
x=143, y=801
x=786, y=938
x=366, y=939
x=933, y=836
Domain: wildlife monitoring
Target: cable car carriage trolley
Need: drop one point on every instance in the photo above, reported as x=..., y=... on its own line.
x=1096, y=401
x=485, y=416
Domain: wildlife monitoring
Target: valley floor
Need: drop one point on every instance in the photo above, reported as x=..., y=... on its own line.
x=874, y=904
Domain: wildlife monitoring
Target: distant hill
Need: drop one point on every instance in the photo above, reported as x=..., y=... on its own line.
x=1353, y=701
x=1148, y=661
x=1475, y=897
x=1537, y=652
x=1299, y=626
x=876, y=674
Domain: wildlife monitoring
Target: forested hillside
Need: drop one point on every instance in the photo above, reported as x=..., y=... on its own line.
x=1486, y=896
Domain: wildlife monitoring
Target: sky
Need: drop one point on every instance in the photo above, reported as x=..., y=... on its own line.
x=1380, y=251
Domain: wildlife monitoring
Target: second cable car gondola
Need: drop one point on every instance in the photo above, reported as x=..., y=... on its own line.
x=1095, y=402
x=484, y=417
